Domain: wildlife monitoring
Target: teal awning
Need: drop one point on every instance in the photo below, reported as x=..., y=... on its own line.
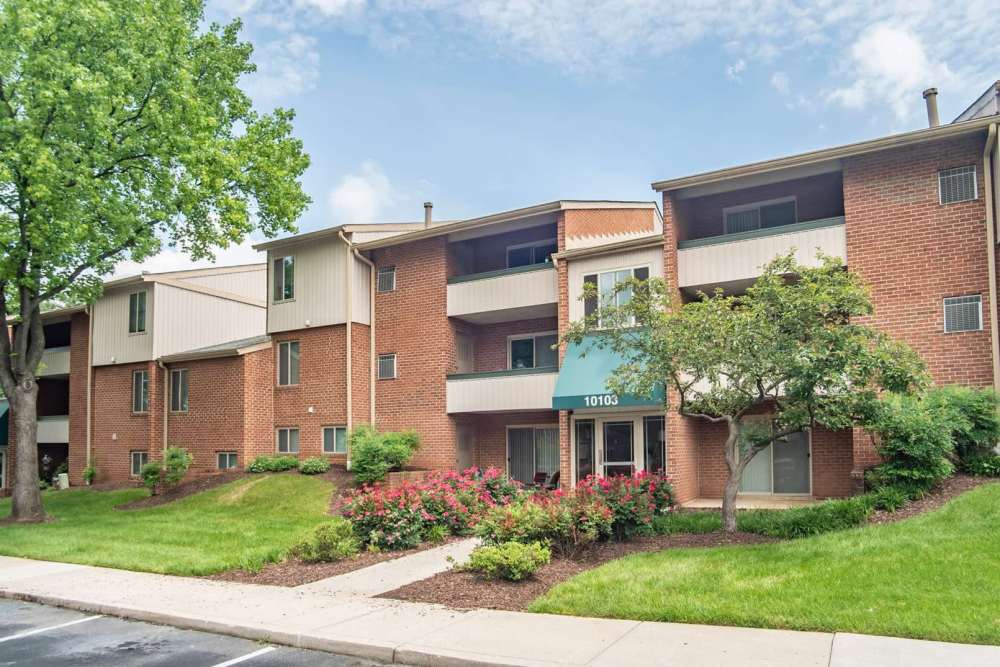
x=4, y=419
x=583, y=380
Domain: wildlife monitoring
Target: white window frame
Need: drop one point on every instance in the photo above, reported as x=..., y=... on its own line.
x=388, y=270
x=143, y=460
x=288, y=439
x=145, y=312
x=323, y=440
x=631, y=269
x=944, y=314
x=227, y=454
x=756, y=205
x=283, y=346
x=274, y=279
x=526, y=336
x=395, y=366
x=174, y=373
x=531, y=244
x=144, y=394
x=975, y=184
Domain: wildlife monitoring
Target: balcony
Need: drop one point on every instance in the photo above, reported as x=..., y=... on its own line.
x=55, y=361
x=734, y=260
x=501, y=391
x=522, y=293
x=53, y=429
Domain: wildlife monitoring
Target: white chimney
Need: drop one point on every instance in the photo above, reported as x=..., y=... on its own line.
x=930, y=97
x=428, y=206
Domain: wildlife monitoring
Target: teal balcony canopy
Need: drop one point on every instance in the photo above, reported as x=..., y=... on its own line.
x=583, y=380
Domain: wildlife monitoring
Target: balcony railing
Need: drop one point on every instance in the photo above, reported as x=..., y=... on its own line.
x=739, y=257
x=55, y=361
x=523, y=292
x=502, y=391
x=54, y=429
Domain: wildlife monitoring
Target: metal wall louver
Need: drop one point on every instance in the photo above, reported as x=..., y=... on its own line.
x=963, y=313
x=958, y=184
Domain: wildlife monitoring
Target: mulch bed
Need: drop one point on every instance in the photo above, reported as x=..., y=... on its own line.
x=464, y=590
x=951, y=487
x=183, y=490
x=294, y=572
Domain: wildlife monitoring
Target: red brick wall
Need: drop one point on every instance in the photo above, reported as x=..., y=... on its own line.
x=607, y=222
x=491, y=436
x=491, y=340
x=78, y=360
x=116, y=429
x=258, y=400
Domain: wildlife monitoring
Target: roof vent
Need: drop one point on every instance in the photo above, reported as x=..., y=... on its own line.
x=428, y=207
x=930, y=97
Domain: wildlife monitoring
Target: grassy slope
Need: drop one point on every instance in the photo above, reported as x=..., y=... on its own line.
x=244, y=523
x=935, y=576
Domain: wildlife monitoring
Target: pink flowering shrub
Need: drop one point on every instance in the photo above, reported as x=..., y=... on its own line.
x=634, y=501
x=565, y=522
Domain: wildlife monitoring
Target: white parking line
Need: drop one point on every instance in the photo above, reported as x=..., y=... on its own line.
x=244, y=658
x=51, y=627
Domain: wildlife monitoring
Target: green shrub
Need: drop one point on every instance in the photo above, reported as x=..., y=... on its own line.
x=314, y=466
x=374, y=454
x=915, y=441
x=986, y=465
x=273, y=464
x=328, y=543
x=89, y=474
x=972, y=415
x=512, y=561
x=176, y=461
x=888, y=498
x=809, y=520
x=567, y=523
x=436, y=533
x=150, y=475
x=691, y=522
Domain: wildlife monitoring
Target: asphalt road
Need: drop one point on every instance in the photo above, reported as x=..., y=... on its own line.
x=37, y=635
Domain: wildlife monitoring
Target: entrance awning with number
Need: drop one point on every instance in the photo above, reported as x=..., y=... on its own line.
x=583, y=380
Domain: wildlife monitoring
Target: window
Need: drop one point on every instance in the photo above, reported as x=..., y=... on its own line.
x=958, y=184
x=288, y=363
x=760, y=215
x=334, y=439
x=655, y=437
x=386, y=279
x=963, y=313
x=226, y=460
x=526, y=254
x=288, y=441
x=532, y=351
x=137, y=312
x=607, y=288
x=284, y=278
x=179, y=390
x=139, y=459
x=140, y=391
x=386, y=366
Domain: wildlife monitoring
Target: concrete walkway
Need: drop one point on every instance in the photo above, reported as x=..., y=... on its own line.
x=422, y=634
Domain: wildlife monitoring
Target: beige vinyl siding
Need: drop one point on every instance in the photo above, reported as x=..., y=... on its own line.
x=111, y=336
x=578, y=268
x=251, y=283
x=501, y=393
x=189, y=320
x=532, y=289
x=362, y=295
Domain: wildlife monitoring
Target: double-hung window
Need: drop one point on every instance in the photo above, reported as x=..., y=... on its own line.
x=284, y=278
x=288, y=363
x=227, y=460
x=137, y=312
x=609, y=294
x=532, y=350
x=137, y=461
x=334, y=439
x=140, y=391
x=386, y=279
x=526, y=254
x=760, y=215
x=288, y=440
x=179, y=390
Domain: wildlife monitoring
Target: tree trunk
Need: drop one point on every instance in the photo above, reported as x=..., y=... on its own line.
x=733, y=481
x=27, y=498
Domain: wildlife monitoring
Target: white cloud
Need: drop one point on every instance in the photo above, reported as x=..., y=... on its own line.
x=733, y=71
x=362, y=197
x=780, y=82
x=285, y=66
x=172, y=259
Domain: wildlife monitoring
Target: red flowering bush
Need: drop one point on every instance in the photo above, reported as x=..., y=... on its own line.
x=634, y=501
x=565, y=522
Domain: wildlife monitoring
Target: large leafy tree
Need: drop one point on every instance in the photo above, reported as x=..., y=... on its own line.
x=794, y=347
x=122, y=127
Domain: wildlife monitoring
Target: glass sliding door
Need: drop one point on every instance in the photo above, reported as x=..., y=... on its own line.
x=619, y=449
x=655, y=441
x=584, y=449
x=791, y=464
x=521, y=454
x=546, y=450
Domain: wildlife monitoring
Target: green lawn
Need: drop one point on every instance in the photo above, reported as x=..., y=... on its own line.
x=935, y=576
x=241, y=524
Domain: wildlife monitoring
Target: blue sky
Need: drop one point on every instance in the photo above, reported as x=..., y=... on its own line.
x=487, y=106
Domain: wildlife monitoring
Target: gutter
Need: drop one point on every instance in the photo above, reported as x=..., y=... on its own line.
x=991, y=248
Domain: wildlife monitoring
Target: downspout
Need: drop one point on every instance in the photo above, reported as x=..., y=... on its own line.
x=991, y=249
x=166, y=404
x=371, y=334
x=90, y=377
x=350, y=321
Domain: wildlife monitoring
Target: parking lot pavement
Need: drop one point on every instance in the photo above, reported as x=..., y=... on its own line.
x=37, y=635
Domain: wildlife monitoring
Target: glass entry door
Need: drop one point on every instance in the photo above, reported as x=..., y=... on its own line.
x=782, y=468
x=619, y=448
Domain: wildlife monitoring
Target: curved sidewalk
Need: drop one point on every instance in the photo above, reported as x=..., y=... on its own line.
x=423, y=634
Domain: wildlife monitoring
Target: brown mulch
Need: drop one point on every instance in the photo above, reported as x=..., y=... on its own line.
x=183, y=490
x=464, y=590
x=294, y=572
x=343, y=484
x=951, y=487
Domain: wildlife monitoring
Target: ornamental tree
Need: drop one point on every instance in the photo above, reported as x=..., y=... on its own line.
x=791, y=347
x=122, y=128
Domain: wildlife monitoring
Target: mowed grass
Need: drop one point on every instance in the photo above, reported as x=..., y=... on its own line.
x=245, y=523
x=935, y=576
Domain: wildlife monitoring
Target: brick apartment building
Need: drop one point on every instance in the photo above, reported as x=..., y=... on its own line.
x=448, y=327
